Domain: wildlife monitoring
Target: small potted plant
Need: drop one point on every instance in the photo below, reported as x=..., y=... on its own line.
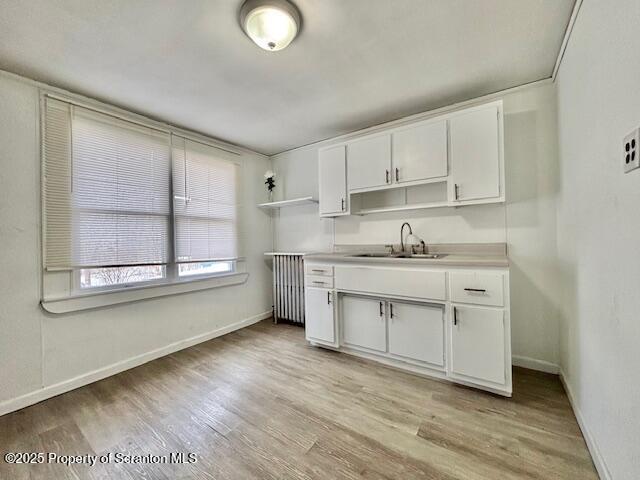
x=270, y=182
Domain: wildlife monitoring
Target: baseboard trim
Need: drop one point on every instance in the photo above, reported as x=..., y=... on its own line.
x=534, y=364
x=596, y=456
x=52, y=390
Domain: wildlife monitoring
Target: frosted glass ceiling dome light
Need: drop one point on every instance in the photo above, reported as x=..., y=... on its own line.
x=271, y=24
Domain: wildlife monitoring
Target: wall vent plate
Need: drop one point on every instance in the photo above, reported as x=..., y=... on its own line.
x=631, y=151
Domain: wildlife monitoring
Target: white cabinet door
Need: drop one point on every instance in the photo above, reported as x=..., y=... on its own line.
x=420, y=152
x=319, y=316
x=417, y=332
x=363, y=322
x=478, y=343
x=332, y=176
x=369, y=162
x=475, y=155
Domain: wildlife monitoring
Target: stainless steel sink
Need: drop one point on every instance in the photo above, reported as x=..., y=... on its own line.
x=399, y=255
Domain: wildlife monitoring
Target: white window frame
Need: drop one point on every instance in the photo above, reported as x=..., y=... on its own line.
x=79, y=298
x=233, y=263
x=172, y=276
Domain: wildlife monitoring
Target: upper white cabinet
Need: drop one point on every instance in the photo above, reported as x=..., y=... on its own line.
x=420, y=152
x=475, y=155
x=369, y=162
x=451, y=160
x=333, y=180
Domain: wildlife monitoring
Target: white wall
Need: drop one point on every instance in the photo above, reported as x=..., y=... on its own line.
x=299, y=228
x=37, y=349
x=527, y=222
x=599, y=231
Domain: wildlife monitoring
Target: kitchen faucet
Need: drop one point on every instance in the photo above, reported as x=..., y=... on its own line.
x=414, y=239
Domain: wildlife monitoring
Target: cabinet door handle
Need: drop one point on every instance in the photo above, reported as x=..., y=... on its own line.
x=456, y=190
x=387, y=176
x=479, y=290
x=397, y=175
x=328, y=298
x=342, y=207
x=391, y=310
x=455, y=316
x=381, y=311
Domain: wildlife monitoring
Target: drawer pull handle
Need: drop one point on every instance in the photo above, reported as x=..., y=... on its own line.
x=317, y=270
x=479, y=290
x=316, y=282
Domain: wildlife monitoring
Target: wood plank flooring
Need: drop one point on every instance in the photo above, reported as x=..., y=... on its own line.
x=260, y=403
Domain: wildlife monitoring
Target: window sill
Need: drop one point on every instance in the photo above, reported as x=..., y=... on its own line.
x=86, y=301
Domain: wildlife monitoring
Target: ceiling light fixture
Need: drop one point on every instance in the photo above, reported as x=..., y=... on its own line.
x=271, y=24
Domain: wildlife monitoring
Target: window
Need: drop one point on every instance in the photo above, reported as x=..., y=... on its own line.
x=127, y=205
x=119, y=276
x=205, y=204
x=204, y=268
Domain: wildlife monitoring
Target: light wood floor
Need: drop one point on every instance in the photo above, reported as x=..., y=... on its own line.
x=260, y=403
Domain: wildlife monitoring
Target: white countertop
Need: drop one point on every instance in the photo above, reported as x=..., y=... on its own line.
x=445, y=259
x=472, y=255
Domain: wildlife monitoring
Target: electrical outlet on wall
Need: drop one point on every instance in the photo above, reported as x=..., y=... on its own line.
x=631, y=151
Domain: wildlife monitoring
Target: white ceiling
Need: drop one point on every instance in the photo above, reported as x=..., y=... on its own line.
x=355, y=64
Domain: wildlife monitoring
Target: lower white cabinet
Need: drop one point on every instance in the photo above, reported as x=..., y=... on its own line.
x=320, y=322
x=478, y=343
x=363, y=322
x=451, y=323
x=416, y=331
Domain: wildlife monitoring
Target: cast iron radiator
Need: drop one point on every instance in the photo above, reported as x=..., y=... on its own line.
x=288, y=288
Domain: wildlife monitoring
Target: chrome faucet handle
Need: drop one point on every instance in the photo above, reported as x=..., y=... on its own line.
x=424, y=247
x=390, y=247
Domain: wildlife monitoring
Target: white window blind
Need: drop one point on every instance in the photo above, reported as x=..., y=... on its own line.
x=56, y=184
x=205, y=187
x=115, y=209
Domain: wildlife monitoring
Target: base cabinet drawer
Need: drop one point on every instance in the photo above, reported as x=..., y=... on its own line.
x=318, y=281
x=414, y=283
x=416, y=332
x=314, y=269
x=478, y=343
x=363, y=322
x=320, y=321
x=477, y=287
